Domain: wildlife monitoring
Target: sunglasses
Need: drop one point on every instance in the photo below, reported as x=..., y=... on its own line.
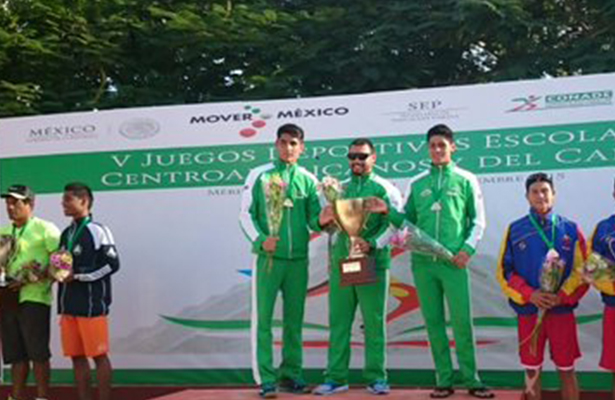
x=358, y=156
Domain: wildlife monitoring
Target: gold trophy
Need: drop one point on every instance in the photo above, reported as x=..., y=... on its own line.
x=357, y=269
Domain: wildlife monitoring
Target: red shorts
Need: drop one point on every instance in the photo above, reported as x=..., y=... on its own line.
x=82, y=336
x=561, y=332
x=607, y=361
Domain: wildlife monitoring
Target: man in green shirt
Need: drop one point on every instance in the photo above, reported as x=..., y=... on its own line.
x=370, y=298
x=25, y=328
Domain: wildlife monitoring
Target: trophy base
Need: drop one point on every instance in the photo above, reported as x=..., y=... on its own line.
x=358, y=271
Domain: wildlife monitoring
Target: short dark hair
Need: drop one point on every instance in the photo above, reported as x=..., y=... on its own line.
x=363, y=142
x=441, y=130
x=292, y=130
x=538, y=177
x=80, y=190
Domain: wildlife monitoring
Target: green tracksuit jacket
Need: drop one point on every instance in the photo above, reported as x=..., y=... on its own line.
x=286, y=270
x=447, y=203
x=371, y=299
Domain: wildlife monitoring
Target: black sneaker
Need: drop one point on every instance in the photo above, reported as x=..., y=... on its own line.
x=297, y=386
x=268, y=391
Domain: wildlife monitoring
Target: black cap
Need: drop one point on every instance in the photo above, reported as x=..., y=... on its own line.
x=19, y=192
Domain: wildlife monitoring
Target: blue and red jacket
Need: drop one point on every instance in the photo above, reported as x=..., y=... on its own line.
x=523, y=253
x=603, y=243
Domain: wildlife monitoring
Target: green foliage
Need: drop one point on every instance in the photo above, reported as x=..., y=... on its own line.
x=70, y=55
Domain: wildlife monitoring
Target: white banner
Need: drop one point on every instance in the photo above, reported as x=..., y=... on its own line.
x=168, y=180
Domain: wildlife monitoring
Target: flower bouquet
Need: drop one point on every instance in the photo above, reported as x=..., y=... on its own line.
x=275, y=198
x=598, y=268
x=32, y=272
x=415, y=239
x=551, y=278
x=60, y=265
x=332, y=189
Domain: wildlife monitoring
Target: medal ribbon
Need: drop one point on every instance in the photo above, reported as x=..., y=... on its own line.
x=72, y=238
x=550, y=243
x=436, y=192
x=21, y=231
x=289, y=174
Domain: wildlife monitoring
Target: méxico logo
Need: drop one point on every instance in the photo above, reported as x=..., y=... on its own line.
x=253, y=119
x=563, y=100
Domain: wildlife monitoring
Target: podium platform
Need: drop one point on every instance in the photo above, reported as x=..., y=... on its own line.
x=352, y=394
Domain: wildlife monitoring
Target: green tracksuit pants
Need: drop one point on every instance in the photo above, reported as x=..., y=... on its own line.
x=290, y=277
x=434, y=283
x=343, y=301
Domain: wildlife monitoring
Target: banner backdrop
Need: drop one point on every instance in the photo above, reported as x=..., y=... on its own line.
x=168, y=182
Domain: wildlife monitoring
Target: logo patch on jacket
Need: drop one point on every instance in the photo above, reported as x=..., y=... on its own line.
x=111, y=253
x=426, y=193
x=453, y=192
x=522, y=246
x=77, y=250
x=566, y=242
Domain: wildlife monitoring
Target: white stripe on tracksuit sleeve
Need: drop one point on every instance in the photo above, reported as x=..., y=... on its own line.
x=245, y=218
x=395, y=199
x=480, y=221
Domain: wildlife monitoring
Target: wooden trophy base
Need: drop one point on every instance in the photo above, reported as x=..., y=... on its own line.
x=358, y=271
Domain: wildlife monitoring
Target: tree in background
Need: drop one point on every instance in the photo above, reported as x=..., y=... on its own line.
x=72, y=55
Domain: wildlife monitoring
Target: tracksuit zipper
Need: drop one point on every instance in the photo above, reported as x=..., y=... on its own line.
x=440, y=207
x=288, y=216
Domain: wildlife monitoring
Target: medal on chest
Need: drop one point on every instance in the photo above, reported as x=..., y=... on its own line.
x=552, y=254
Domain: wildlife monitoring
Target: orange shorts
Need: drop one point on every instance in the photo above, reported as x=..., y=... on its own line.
x=82, y=336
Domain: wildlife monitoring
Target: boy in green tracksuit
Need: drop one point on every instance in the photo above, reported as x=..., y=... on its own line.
x=371, y=298
x=447, y=203
x=280, y=238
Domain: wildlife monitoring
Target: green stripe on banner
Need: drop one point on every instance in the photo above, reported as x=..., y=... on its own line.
x=230, y=325
x=590, y=381
x=497, y=322
x=574, y=146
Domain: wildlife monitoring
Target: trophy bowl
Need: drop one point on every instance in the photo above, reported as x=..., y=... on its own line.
x=357, y=269
x=350, y=215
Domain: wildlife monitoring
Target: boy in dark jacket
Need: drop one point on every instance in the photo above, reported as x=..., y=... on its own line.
x=85, y=296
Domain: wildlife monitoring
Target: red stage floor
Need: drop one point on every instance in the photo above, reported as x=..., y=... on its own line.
x=179, y=393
